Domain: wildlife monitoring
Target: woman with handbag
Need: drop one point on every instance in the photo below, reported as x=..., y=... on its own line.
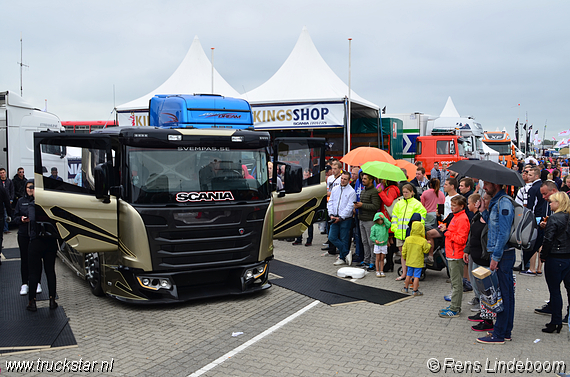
x=555, y=255
x=41, y=249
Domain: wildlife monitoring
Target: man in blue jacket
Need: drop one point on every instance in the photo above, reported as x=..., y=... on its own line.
x=500, y=216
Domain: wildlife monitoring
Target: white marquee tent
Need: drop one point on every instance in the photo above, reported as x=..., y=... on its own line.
x=305, y=93
x=194, y=75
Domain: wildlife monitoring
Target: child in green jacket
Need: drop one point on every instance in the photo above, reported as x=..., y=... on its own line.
x=379, y=235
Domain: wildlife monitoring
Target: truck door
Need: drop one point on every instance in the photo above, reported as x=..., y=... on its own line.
x=74, y=208
x=294, y=212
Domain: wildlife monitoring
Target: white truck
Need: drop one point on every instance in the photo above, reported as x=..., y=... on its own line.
x=449, y=122
x=18, y=122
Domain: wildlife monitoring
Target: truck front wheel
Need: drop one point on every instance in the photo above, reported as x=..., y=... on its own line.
x=93, y=273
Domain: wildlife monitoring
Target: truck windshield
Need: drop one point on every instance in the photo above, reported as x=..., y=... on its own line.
x=503, y=148
x=191, y=176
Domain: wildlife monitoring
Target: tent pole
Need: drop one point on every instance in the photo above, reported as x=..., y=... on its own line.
x=212, y=70
x=349, y=90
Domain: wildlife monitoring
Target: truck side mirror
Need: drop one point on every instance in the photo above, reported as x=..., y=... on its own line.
x=293, y=179
x=102, y=182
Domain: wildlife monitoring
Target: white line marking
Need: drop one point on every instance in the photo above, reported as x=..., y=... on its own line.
x=250, y=342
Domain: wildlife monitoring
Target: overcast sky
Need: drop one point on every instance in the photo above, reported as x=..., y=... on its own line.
x=489, y=56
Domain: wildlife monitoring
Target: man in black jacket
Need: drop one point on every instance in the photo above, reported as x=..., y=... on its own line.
x=19, y=182
x=4, y=205
x=537, y=204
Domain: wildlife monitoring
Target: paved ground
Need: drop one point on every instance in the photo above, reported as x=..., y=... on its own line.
x=359, y=339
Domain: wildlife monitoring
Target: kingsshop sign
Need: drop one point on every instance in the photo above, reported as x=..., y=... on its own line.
x=132, y=118
x=318, y=115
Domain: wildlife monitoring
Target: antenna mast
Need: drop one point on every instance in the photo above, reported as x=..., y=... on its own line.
x=21, y=64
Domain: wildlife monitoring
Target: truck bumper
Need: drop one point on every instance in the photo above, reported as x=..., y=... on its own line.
x=141, y=287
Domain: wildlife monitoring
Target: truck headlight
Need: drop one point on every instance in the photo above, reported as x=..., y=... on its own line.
x=154, y=283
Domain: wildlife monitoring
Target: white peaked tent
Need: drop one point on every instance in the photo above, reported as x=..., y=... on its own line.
x=449, y=111
x=193, y=75
x=305, y=94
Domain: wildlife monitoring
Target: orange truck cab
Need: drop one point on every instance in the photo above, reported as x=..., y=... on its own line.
x=442, y=148
x=501, y=142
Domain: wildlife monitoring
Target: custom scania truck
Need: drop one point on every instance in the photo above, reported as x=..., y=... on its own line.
x=185, y=208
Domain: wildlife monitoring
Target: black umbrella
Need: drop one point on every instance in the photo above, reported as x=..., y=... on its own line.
x=488, y=171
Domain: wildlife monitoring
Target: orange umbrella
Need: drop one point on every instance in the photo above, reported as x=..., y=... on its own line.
x=410, y=168
x=359, y=156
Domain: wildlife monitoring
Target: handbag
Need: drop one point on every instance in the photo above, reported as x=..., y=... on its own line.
x=390, y=208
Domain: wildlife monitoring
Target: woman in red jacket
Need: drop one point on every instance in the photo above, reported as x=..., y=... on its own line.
x=455, y=240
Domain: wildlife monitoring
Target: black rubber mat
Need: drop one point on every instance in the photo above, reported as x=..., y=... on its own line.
x=11, y=282
x=11, y=253
x=21, y=330
x=329, y=289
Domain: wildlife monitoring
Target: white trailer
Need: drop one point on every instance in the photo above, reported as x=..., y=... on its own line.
x=18, y=122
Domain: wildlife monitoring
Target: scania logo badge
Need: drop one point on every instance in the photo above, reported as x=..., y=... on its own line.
x=241, y=231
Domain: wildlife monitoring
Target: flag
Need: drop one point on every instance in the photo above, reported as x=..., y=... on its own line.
x=384, y=110
x=564, y=133
x=517, y=134
x=524, y=127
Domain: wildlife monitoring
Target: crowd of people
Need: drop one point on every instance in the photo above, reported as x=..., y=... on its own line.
x=18, y=204
x=387, y=221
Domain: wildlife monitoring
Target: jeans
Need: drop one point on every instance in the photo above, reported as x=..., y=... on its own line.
x=368, y=246
x=339, y=236
x=504, y=323
x=310, y=232
x=555, y=271
x=357, y=239
x=5, y=222
x=23, y=244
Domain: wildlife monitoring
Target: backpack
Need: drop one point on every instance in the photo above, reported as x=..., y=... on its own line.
x=524, y=229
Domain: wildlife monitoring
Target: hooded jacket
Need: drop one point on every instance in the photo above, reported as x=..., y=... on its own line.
x=379, y=232
x=415, y=246
x=456, y=235
x=402, y=213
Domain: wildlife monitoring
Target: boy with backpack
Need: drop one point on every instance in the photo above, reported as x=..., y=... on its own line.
x=413, y=251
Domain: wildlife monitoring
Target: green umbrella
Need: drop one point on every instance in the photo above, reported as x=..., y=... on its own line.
x=384, y=170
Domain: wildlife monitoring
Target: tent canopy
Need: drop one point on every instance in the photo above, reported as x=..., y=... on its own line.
x=193, y=75
x=306, y=77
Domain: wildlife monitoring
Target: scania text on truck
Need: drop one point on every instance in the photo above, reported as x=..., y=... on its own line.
x=18, y=122
x=184, y=209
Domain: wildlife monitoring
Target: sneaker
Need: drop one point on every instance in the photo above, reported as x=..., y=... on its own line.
x=39, y=289
x=565, y=320
x=405, y=290
x=491, y=340
x=371, y=267
x=448, y=313
x=483, y=326
x=417, y=293
x=476, y=309
x=309, y=244
x=327, y=255
x=430, y=260
x=377, y=274
x=474, y=301
x=297, y=243
x=442, y=310
x=476, y=318
x=24, y=290
x=448, y=297
x=545, y=310
x=490, y=333
x=349, y=258
x=339, y=262
x=467, y=287
x=527, y=273
x=383, y=276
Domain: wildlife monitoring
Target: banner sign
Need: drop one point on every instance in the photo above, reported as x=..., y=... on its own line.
x=298, y=116
x=133, y=118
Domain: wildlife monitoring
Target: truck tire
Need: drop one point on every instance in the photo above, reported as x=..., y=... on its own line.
x=93, y=273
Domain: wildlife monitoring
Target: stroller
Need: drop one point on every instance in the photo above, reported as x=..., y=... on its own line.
x=439, y=259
